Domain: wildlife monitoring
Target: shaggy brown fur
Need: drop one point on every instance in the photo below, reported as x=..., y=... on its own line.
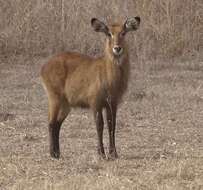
x=73, y=80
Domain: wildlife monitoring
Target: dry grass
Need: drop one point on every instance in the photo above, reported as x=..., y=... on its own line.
x=159, y=133
x=169, y=29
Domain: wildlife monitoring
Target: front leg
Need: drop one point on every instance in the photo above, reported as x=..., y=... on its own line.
x=111, y=110
x=100, y=126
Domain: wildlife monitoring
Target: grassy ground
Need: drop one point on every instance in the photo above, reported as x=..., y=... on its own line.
x=159, y=133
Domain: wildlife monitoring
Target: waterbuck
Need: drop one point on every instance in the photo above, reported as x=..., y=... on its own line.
x=75, y=80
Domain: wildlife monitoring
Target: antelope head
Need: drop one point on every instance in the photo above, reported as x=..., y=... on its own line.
x=115, y=34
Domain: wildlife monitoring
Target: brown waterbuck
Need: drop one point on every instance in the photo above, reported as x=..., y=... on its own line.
x=76, y=80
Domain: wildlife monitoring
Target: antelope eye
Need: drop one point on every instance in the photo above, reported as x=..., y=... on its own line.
x=122, y=34
x=110, y=35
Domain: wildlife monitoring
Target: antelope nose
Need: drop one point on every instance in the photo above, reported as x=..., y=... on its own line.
x=117, y=49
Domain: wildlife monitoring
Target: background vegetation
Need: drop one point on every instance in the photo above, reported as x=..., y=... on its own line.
x=169, y=29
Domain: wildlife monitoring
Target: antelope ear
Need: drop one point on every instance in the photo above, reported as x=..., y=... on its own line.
x=99, y=26
x=132, y=24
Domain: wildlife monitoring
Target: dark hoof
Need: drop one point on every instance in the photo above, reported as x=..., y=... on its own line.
x=55, y=155
x=113, y=155
x=102, y=155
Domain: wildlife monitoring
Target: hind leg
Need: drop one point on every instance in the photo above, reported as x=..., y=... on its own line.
x=58, y=111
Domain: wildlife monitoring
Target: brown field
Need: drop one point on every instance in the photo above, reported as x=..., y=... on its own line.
x=159, y=133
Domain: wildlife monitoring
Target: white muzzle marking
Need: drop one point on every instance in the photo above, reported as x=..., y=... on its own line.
x=117, y=50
